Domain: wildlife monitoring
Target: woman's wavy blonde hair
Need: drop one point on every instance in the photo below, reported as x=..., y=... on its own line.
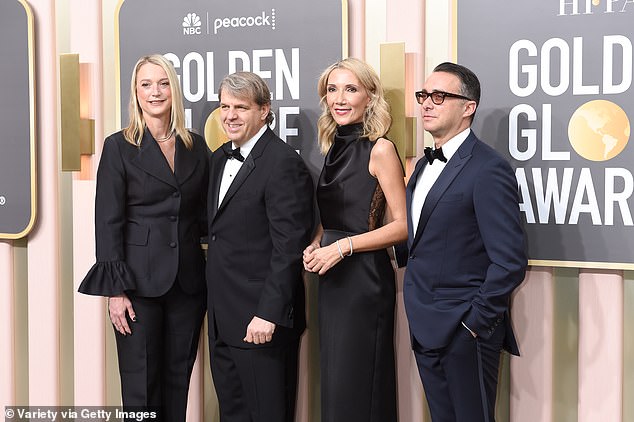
x=133, y=133
x=376, y=119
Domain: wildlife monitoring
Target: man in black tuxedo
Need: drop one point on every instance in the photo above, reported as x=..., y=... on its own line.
x=466, y=253
x=260, y=219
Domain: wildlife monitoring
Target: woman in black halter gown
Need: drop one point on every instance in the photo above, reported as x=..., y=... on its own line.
x=361, y=198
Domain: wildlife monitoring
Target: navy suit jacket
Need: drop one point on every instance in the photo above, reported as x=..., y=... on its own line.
x=468, y=253
x=256, y=239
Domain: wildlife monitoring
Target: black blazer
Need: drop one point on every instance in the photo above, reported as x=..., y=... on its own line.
x=468, y=253
x=256, y=239
x=148, y=219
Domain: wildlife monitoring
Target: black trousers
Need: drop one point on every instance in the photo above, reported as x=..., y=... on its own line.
x=460, y=380
x=255, y=385
x=156, y=360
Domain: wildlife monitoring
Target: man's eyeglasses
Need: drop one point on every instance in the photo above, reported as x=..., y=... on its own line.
x=437, y=97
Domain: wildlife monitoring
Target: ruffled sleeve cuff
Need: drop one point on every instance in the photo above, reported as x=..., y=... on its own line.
x=108, y=279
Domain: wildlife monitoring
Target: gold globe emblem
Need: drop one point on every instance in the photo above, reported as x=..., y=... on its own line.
x=214, y=132
x=599, y=130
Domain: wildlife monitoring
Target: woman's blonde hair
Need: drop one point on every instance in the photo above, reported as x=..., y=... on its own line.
x=133, y=133
x=376, y=119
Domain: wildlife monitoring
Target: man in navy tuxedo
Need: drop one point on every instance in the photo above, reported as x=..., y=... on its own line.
x=466, y=253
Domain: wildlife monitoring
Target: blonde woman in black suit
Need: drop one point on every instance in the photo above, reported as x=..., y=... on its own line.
x=149, y=218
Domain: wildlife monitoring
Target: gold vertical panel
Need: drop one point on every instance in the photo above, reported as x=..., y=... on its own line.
x=21, y=315
x=628, y=346
x=87, y=136
x=393, y=80
x=565, y=375
x=70, y=118
x=86, y=125
x=410, y=136
x=66, y=291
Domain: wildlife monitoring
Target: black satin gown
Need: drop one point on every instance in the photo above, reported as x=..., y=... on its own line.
x=357, y=295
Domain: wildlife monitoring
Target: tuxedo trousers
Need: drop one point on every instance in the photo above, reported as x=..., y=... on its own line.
x=156, y=360
x=460, y=379
x=255, y=384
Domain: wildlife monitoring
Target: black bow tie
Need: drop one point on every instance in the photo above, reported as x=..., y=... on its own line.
x=434, y=154
x=232, y=153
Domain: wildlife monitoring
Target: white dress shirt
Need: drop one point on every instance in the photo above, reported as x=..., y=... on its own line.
x=430, y=174
x=232, y=166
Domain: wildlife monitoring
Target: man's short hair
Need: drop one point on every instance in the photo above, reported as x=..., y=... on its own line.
x=469, y=83
x=247, y=85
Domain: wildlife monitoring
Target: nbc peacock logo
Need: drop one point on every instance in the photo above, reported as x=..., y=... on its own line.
x=599, y=130
x=191, y=24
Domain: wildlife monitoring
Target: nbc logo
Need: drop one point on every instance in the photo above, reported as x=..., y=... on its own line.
x=191, y=24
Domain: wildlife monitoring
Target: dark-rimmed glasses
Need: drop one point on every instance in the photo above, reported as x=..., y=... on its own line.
x=437, y=97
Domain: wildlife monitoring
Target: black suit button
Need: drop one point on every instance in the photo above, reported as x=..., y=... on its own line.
x=213, y=237
x=172, y=244
x=172, y=218
x=176, y=194
x=412, y=256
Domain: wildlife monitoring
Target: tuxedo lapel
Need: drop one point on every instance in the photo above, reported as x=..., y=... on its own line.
x=409, y=193
x=185, y=162
x=151, y=160
x=247, y=167
x=215, y=176
x=449, y=173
